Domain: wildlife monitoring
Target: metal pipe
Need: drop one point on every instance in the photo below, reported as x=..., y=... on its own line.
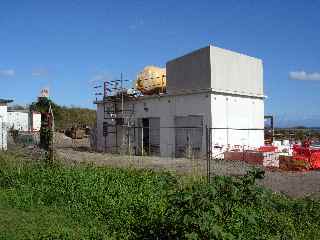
x=2, y=147
x=121, y=82
x=142, y=143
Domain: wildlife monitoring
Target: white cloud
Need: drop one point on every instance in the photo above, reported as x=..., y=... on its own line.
x=39, y=72
x=7, y=73
x=302, y=75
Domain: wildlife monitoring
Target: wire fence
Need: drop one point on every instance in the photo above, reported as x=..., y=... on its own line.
x=173, y=142
x=138, y=147
x=3, y=133
x=178, y=149
x=222, y=141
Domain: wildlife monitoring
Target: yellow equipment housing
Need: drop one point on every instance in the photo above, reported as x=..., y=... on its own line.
x=152, y=80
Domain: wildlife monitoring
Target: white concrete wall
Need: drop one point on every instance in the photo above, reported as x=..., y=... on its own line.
x=166, y=108
x=3, y=127
x=235, y=73
x=218, y=69
x=190, y=72
x=35, y=124
x=235, y=113
x=18, y=120
x=218, y=111
x=24, y=121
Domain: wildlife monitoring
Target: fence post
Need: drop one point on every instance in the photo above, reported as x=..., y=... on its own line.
x=142, y=147
x=149, y=144
x=2, y=133
x=208, y=154
x=128, y=139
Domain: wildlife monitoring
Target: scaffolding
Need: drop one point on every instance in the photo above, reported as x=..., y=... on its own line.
x=116, y=113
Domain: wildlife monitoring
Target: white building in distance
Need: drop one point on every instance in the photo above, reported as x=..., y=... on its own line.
x=3, y=123
x=24, y=120
x=209, y=88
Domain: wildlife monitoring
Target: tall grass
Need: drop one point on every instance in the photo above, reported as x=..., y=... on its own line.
x=119, y=201
x=38, y=201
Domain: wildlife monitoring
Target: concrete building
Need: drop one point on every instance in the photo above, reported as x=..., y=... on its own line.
x=3, y=123
x=34, y=121
x=18, y=120
x=24, y=120
x=208, y=88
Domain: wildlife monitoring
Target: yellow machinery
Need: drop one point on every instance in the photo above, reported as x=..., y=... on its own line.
x=152, y=80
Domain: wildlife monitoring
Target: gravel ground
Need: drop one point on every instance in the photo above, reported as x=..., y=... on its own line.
x=294, y=184
x=180, y=166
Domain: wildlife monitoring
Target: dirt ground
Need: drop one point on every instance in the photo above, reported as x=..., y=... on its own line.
x=294, y=184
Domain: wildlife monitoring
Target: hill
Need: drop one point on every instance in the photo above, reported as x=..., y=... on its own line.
x=66, y=117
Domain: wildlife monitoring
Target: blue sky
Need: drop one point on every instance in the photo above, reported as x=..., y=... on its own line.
x=67, y=45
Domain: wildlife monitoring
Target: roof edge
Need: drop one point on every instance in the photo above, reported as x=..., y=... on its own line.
x=5, y=100
x=190, y=92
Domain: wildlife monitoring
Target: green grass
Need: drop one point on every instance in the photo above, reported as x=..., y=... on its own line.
x=34, y=223
x=82, y=201
x=38, y=201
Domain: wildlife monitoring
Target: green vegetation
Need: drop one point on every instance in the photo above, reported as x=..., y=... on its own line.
x=66, y=117
x=38, y=201
x=299, y=133
x=44, y=106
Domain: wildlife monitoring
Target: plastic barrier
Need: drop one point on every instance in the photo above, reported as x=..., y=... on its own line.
x=315, y=160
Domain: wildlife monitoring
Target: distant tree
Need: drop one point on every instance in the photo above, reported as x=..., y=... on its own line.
x=300, y=127
x=66, y=117
x=17, y=107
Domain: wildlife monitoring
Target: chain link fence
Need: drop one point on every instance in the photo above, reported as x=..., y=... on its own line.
x=177, y=149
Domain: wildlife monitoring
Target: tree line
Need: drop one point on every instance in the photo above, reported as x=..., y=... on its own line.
x=67, y=117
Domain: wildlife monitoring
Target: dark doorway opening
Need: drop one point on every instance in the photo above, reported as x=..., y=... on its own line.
x=146, y=137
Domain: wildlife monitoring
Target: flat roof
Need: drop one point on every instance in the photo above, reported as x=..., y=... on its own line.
x=18, y=110
x=182, y=93
x=208, y=48
x=5, y=100
x=146, y=97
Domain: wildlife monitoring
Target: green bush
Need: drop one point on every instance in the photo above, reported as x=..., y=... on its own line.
x=238, y=209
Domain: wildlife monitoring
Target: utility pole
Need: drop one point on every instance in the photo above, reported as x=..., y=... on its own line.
x=121, y=80
x=121, y=86
x=97, y=93
x=2, y=146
